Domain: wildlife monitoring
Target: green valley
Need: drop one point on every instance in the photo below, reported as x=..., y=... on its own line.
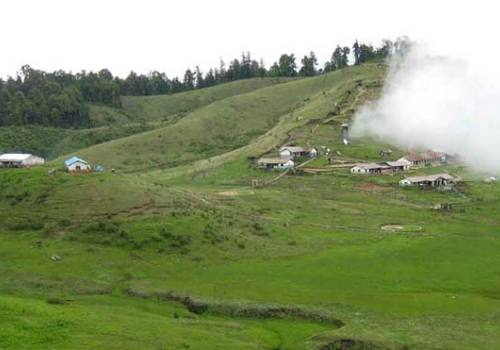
x=182, y=242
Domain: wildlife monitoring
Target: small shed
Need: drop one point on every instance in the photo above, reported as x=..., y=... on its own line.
x=385, y=152
x=20, y=160
x=77, y=165
x=99, y=168
x=275, y=163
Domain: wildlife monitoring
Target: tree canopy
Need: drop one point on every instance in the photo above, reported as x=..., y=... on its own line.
x=60, y=98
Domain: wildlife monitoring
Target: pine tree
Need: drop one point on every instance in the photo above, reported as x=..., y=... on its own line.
x=309, y=63
x=287, y=65
x=200, y=82
x=357, y=52
x=188, y=81
x=274, y=71
x=210, y=79
x=345, y=56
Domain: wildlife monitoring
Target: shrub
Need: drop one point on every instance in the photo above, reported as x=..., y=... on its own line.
x=175, y=240
x=56, y=301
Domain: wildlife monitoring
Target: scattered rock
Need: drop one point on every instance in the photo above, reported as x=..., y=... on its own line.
x=392, y=228
x=491, y=179
x=55, y=257
x=402, y=228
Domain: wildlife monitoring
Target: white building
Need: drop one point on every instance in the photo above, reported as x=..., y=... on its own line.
x=368, y=168
x=425, y=158
x=275, y=163
x=437, y=180
x=77, y=165
x=399, y=165
x=291, y=152
x=20, y=160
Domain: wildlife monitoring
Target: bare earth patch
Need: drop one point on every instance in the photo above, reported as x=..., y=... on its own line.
x=392, y=228
x=402, y=228
x=230, y=193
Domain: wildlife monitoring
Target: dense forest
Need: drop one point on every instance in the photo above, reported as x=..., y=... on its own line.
x=60, y=98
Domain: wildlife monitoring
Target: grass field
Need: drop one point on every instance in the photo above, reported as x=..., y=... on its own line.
x=177, y=250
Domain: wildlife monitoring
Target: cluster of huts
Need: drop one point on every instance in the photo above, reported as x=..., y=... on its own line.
x=288, y=155
x=27, y=160
x=405, y=163
x=285, y=159
x=381, y=168
x=423, y=159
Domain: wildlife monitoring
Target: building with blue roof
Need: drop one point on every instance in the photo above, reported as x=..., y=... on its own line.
x=77, y=165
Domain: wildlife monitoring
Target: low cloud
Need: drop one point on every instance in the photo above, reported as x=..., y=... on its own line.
x=439, y=102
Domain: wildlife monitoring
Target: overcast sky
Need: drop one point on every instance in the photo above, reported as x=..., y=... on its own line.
x=170, y=36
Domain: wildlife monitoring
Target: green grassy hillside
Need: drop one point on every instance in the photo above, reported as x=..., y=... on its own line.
x=107, y=116
x=166, y=107
x=52, y=142
x=138, y=114
x=180, y=251
x=232, y=122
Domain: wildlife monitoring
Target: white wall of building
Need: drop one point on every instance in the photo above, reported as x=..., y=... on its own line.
x=79, y=166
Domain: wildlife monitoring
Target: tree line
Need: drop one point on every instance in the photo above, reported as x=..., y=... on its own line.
x=287, y=65
x=61, y=98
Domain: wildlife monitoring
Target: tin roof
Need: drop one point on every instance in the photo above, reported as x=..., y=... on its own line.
x=401, y=162
x=368, y=166
x=14, y=157
x=273, y=160
x=293, y=149
x=429, y=177
x=73, y=160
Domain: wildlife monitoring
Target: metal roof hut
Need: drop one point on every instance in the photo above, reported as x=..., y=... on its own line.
x=20, y=160
x=275, y=163
x=436, y=180
x=426, y=158
x=291, y=152
x=368, y=168
x=77, y=165
x=398, y=165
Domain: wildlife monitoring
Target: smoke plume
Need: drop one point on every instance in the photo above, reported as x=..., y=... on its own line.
x=438, y=102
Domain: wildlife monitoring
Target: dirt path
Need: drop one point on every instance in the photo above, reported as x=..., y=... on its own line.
x=275, y=179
